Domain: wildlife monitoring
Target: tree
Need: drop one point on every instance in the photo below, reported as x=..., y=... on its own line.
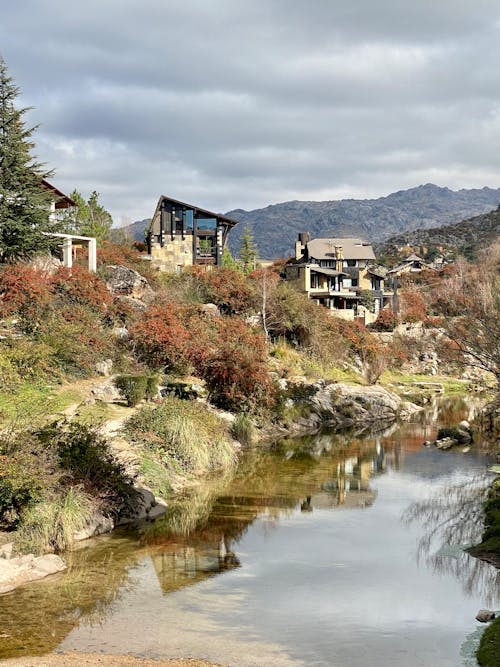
x=24, y=202
x=475, y=332
x=89, y=218
x=248, y=251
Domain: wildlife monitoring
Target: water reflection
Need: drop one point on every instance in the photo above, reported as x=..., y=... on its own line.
x=329, y=487
x=452, y=521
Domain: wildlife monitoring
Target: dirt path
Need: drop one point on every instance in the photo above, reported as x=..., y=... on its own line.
x=74, y=659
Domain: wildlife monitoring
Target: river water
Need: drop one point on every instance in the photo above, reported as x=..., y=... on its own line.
x=337, y=550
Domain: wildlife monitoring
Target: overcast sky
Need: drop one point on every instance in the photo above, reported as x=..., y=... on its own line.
x=244, y=103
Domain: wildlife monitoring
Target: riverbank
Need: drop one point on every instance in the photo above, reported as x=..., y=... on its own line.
x=75, y=659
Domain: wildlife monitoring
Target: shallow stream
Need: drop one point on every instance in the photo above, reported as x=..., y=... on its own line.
x=337, y=550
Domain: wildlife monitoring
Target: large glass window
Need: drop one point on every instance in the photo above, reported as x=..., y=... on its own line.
x=207, y=224
x=189, y=220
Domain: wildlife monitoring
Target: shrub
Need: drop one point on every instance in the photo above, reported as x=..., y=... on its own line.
x=228, y=289
x=79, y=286
x=132, y=387
x=236, y=372
x=386, y=321
x=85, y=456
x=24, y=291
x=413, y=308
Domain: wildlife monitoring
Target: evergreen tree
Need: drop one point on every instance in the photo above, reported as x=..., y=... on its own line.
x=248, y=250
x=24, y=202
x=228, y=261
x=89, y=218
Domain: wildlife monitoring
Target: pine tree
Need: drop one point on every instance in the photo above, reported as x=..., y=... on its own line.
x=89, y=218
x=24, y=202
x=248, y=251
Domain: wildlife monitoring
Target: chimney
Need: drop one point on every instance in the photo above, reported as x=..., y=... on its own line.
x=301, y=244
x=339, y=257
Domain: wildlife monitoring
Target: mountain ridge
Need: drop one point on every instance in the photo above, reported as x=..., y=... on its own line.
x=275, y=227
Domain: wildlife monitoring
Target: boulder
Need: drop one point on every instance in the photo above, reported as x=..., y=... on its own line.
x=19, y=570
x=485, y=615
x=123, y=281
x=106, y=392
x=98, y=525
x=210, y=310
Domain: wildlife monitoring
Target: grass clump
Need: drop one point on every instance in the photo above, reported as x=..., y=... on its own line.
x=183, y=436
x=243, y=429
x=51, y=524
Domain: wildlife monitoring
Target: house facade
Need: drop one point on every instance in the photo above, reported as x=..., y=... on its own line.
x=182, y=235
x=341, y=275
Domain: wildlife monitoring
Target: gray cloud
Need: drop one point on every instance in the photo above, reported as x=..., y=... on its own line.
x=244, y=103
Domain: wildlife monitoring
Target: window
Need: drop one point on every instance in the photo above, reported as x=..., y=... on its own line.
x=314, y=280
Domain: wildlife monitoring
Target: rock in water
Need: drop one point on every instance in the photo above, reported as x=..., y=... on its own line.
x=485, y=615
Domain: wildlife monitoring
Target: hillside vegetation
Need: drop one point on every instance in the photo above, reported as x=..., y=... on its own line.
x=462, y=238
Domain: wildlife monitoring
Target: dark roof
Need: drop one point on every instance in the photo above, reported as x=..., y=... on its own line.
x=326, y=272
x=197, y=209
x=62, y=200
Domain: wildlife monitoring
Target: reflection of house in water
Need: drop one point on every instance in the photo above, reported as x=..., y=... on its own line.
x=350, y=488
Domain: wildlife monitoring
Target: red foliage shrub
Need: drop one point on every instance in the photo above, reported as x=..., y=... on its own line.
x=79, y=286
x=24, y=291
x=236, y=372
x=386, y=321
x=413, y=308
x=224, y=351
x=227, y=288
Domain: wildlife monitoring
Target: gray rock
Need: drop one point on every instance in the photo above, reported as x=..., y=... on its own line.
x=156, y=512
x=446, y=443
x=106, y=392
x=485, y=615
x=98, y=525
x=464, y=425
x=210, y=309
x=120, y=333
x=104, y=367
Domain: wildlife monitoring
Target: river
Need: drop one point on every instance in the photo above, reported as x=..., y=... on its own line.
x=337, y=550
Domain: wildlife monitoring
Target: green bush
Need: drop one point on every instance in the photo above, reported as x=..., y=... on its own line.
x=133, y=388
x=84, y=455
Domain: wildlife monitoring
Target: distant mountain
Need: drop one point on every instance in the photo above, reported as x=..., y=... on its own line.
x=465, y=238
x=275, y=227
x=136, y=229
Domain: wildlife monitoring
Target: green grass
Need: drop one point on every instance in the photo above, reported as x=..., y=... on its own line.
x=407, y=380
x=184, y=436
x=488, y=654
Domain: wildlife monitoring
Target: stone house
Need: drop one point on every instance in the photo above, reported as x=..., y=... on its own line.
x=341, y=275
x=412, y=264
x=182, y=235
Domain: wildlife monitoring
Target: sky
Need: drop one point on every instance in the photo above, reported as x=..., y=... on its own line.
x=243, y=103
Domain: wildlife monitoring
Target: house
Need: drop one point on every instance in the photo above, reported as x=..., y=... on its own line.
x=412, y=264
x=341, y=275
x=59, y=201
x=182, y=235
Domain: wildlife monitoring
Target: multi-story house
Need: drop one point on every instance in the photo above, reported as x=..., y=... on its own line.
x=341, y=275
x=182, y=235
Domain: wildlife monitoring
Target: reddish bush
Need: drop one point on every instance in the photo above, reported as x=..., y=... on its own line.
x=79, y=286
x=228, y=289
x=413, y=308
x=386, y=321
x=161, y=336
x=236, y=372
x=24, y=291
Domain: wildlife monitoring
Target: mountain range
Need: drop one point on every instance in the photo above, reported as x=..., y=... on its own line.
x=275, y=227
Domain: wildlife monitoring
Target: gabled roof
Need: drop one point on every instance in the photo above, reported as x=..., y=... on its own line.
x=325, y=272
x=351, y=248
x=414, y=258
